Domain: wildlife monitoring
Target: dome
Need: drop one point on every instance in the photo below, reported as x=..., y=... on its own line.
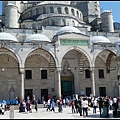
x=117, y=42
x=7, y=37
x=68, y=29
x=10, y=4
x=54, y=2
x=100, y=39
x=37, y=38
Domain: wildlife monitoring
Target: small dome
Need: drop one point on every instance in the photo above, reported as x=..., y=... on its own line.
x=117, y=42
x=68, y=29
x=7, y=37
x=106, y=11
x=100, y=39
x=37, y=38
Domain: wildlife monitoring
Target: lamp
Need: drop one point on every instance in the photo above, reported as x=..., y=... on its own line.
x=40, y=68
x=3, y=69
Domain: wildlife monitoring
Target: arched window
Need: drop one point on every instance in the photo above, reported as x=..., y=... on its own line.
x=36, y=11
x=59, y=10
x=80, y=14
x=53, y=22
x=77, y=14
x=44, y=10
x=73, y=23
x=30, y=13
x=66, y=10
x=51, y=10
x=63, y=22
x=33, y=26
x=73, y=12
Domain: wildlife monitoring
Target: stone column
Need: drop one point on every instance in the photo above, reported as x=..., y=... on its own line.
x=22, y=83
x=58, y=83
x=92, y=72
x=93, y=81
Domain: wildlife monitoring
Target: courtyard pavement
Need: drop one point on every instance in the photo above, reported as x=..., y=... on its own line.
x=43, y=114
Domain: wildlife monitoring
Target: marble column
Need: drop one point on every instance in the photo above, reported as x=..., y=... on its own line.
x=58, y=83
x=22, y=83
x=93, y=82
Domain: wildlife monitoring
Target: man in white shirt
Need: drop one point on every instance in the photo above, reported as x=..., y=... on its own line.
x=114, y=106
x=114, y=100
x=85, y=106
x=48, y=105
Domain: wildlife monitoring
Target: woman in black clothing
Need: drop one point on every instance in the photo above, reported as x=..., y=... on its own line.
x=106, y=104
x=36, y=105
x=80, y=107
x=100, y=102
x=76, y=105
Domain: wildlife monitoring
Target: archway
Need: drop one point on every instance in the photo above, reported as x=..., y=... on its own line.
x=67, y=81
x=39, y=73
x=74, y=63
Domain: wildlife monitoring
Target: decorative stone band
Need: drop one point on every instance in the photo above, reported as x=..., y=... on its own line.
x=74, y=42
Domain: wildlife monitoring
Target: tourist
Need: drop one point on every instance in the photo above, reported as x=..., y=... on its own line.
x=95, y=104
x=52, y=105
x=80, y=106
x=100, y=103
x=73, y=106
x=85, y=106
x=48, y=105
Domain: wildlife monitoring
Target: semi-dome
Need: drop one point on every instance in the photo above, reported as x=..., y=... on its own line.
x=100, y=40
x=68, y=29
x=7, y=37
x=37, y=38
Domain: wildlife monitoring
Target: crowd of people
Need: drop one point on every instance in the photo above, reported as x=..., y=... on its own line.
x=82, y=105
x=108, y=103
x=26, y=105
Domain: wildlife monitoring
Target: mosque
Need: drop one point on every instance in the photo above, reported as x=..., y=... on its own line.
x=58, y=48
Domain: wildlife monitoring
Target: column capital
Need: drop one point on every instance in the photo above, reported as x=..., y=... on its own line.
x=59, y=69
x=22, y=71
x=91, y=69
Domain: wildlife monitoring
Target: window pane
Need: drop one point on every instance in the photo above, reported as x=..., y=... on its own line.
x=88, y=91
x=43, y=74
x=87, y=73
x=59, y=10
x=102, y=91
x=101, y=73
x=51, y=10
x=28, y=74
